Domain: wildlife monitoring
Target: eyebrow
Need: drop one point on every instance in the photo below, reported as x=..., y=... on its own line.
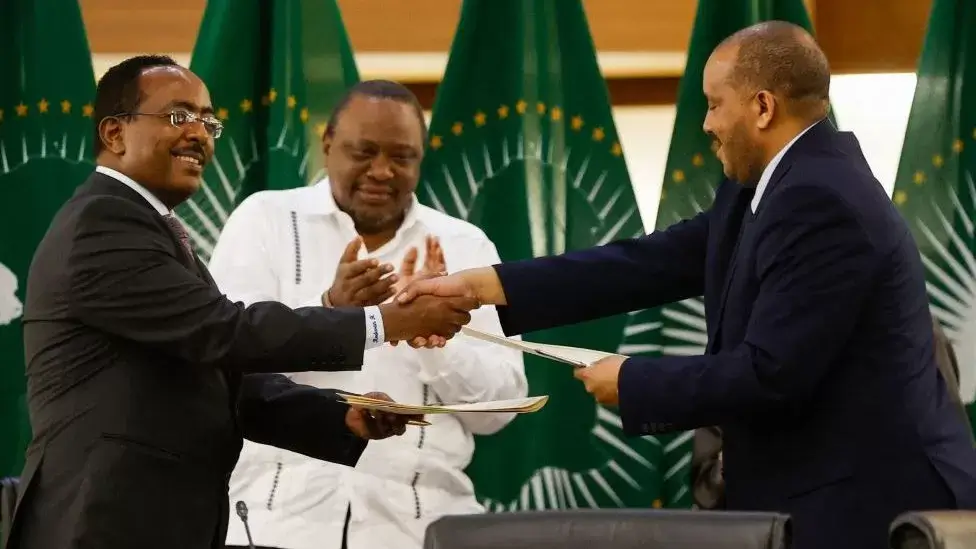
x=188, y=106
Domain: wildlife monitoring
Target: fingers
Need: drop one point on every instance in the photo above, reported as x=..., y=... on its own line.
x=352, y=251
x=409, y=266
x=370, y=288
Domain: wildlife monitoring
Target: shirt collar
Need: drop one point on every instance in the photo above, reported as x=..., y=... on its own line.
x=767, y=173
x=156, y=203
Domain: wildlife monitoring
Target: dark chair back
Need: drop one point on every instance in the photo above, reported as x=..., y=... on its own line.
x=610, y=529
x=934, y=530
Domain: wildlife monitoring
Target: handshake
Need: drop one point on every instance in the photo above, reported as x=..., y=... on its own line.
x=428, y=307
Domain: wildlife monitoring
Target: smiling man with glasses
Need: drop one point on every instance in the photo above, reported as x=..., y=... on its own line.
x=143, y=378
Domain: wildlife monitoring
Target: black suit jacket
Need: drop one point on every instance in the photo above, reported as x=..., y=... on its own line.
x=819, y=367
x=143, y=378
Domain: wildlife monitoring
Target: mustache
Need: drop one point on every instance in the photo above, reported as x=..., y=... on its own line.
x=194, y=149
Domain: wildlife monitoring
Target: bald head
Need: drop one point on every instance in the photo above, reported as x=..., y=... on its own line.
x=785, y=60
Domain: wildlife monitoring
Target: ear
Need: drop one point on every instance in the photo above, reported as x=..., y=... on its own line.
x=765, y=109
x=112, y=133
x=326, y=143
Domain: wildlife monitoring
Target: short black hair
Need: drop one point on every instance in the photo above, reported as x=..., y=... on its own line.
x=118, y=89
x=377, y=89
x=784, y=58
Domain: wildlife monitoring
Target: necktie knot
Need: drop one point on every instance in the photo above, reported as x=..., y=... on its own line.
x=181, y=234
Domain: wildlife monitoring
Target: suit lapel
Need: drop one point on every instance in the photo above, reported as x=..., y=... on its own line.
x=728, y=250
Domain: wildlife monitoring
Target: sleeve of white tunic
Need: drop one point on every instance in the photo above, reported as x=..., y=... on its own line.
x=470, y=370
x=243, y=262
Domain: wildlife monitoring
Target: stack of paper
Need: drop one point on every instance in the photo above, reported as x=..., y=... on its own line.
x=516, y=405
x=576, y=356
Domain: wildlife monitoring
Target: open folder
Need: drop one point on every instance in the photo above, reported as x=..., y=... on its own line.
x=575, y=356
x=516, y=405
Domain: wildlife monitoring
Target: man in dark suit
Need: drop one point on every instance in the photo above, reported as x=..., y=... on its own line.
x=819, y=367
x=142, y=377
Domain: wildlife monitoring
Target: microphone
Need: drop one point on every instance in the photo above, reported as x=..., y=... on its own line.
x=242, y=513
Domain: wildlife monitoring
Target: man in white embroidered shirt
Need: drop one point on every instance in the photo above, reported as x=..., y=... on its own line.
x=354, y=238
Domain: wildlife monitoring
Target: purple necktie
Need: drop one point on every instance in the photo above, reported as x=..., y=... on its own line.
x=181, y=234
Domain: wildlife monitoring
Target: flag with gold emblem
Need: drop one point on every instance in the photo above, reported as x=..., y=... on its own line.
x=46, y=134
x=523, y=144
x=691, y=176
x=934, y=187
x=274, y=70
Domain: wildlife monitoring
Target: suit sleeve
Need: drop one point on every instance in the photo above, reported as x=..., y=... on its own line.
x=275, y=411
x=815, y=265
x=619, y=277
x=126, y=281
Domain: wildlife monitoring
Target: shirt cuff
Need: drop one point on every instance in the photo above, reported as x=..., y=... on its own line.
x=375, y=335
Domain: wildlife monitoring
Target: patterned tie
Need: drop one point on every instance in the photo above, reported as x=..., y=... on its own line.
x=181, y=234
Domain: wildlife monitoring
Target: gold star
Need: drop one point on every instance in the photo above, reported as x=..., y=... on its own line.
x=657, y=504
x=246, y=105
x=87, y=110
x=222, y=113
x=697, y=160
x=577, y=123
x=320, y=128
x=556, y=113
x=616, y=150
x=66, y=106
x=272, y=95
x=520, y=106
x=303, y=115
x=957, y=146
x=21, y=109
x=292, y=101
x=436, y=142
x=503, y=111
x=598, y=134
x=938, y=161
x=900, y=197
x=479, y=119
x=919, y=177
x=1, y=115
x=457, y=128
x=540, y=108
x=678, y=176
x=42, y=105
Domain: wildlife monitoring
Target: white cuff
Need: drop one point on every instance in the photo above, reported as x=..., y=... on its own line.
x=375, y=335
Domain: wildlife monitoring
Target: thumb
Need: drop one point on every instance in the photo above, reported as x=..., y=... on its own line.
x=351, y=253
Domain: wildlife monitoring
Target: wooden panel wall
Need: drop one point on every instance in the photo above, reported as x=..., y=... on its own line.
x=857, y=35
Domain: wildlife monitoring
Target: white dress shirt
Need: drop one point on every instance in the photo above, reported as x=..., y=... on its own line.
x=767, y=173
x=156, y=203
x=285, y=246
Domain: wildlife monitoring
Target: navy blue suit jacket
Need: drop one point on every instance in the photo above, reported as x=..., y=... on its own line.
x=820, y=366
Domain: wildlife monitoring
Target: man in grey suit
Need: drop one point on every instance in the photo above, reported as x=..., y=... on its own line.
x=142, y=377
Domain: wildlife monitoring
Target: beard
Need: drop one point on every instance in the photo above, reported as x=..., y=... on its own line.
x=742, y=158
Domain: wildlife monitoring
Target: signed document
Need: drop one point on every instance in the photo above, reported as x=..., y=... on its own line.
x=575, y=356
x=517, y=405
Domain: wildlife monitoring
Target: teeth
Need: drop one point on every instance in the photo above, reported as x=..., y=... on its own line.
x=189, y=159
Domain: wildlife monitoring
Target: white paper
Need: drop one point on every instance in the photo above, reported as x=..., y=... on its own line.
x=517, y=405
x=575, y=356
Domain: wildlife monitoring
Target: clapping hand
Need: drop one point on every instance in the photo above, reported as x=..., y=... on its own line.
x=434, y=264
x=359, y=282
x=375, y=425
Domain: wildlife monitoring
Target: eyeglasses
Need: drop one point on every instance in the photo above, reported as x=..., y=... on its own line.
x=180, y=118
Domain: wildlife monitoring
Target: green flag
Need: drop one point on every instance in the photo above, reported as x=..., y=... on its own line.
x=934, y=186
x=274, y=70
x=46, y=133
x=523, y=144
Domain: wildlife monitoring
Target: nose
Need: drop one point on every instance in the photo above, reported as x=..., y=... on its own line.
x=381, y=169
x=707, y=124
x=196, y=131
